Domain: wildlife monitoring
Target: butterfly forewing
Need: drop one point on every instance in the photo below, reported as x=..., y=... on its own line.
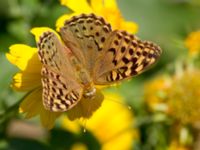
x=124, y=56
x=91, y=54
x=85, y=35
x=61, y=91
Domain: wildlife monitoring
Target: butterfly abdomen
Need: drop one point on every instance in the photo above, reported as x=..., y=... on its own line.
x=91, y=54
x=83, y=76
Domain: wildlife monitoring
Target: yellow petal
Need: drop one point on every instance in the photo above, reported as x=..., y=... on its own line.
x=113, y=113
x=26, y=81
x=121, y=141
x=112, y=4
x=130, y=27
x=121, y=114
x=192, y=42
x=69, y=125
x=112, y=124
x=37, y=32
x=48, y=118
x=81, y=6
x=24, y=57
x=111, y=13
x=112, y=16
x=85, y=108
x=97, y=5
x=32, y=103
x=79, y=146
x=61, y=20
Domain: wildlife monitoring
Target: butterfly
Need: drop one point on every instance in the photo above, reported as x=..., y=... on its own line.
x=90, y=54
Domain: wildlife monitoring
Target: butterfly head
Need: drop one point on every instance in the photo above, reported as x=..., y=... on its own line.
x=89, y=92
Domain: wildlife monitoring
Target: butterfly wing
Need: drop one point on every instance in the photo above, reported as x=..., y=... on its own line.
x=109, y=56
x=124, y=56
x=85, y=35
x=61, y=91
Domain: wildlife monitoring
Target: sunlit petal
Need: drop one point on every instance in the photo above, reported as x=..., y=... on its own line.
x=71, y=126
x=112, y=124
x=129, y=26
x=37, y=32
x=120, y=141
x=111, y=4
x=192, y=42
x=97, y=5
x=26, y=81
x=24, y=56
x=61, y=20
x=81, y=6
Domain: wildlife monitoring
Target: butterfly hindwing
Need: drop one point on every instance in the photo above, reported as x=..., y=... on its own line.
x=58, y=96
x=124, y=56
x=91, y=54
x=61, y=91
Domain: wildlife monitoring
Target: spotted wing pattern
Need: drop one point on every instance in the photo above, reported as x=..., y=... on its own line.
x=85, y=35
x=105, y=55
x=110, y=56
x=60, y=90
x=124, y=56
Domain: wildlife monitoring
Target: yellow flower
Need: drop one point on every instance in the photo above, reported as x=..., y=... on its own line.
x=175, y=145
x=155, y=93
x=79, y=146
x=29, y=80
x=108, y=9
x=192, y=42
x=184, y=97
x=181, y=137
x=112, y=125
x=178, y=96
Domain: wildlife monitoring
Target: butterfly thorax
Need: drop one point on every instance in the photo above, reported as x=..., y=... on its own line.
x=91, y=54
x=89, y=91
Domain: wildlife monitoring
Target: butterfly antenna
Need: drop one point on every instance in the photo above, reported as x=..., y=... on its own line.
x=118, y=102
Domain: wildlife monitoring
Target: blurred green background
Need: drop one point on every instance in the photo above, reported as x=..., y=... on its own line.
x=166, y=22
